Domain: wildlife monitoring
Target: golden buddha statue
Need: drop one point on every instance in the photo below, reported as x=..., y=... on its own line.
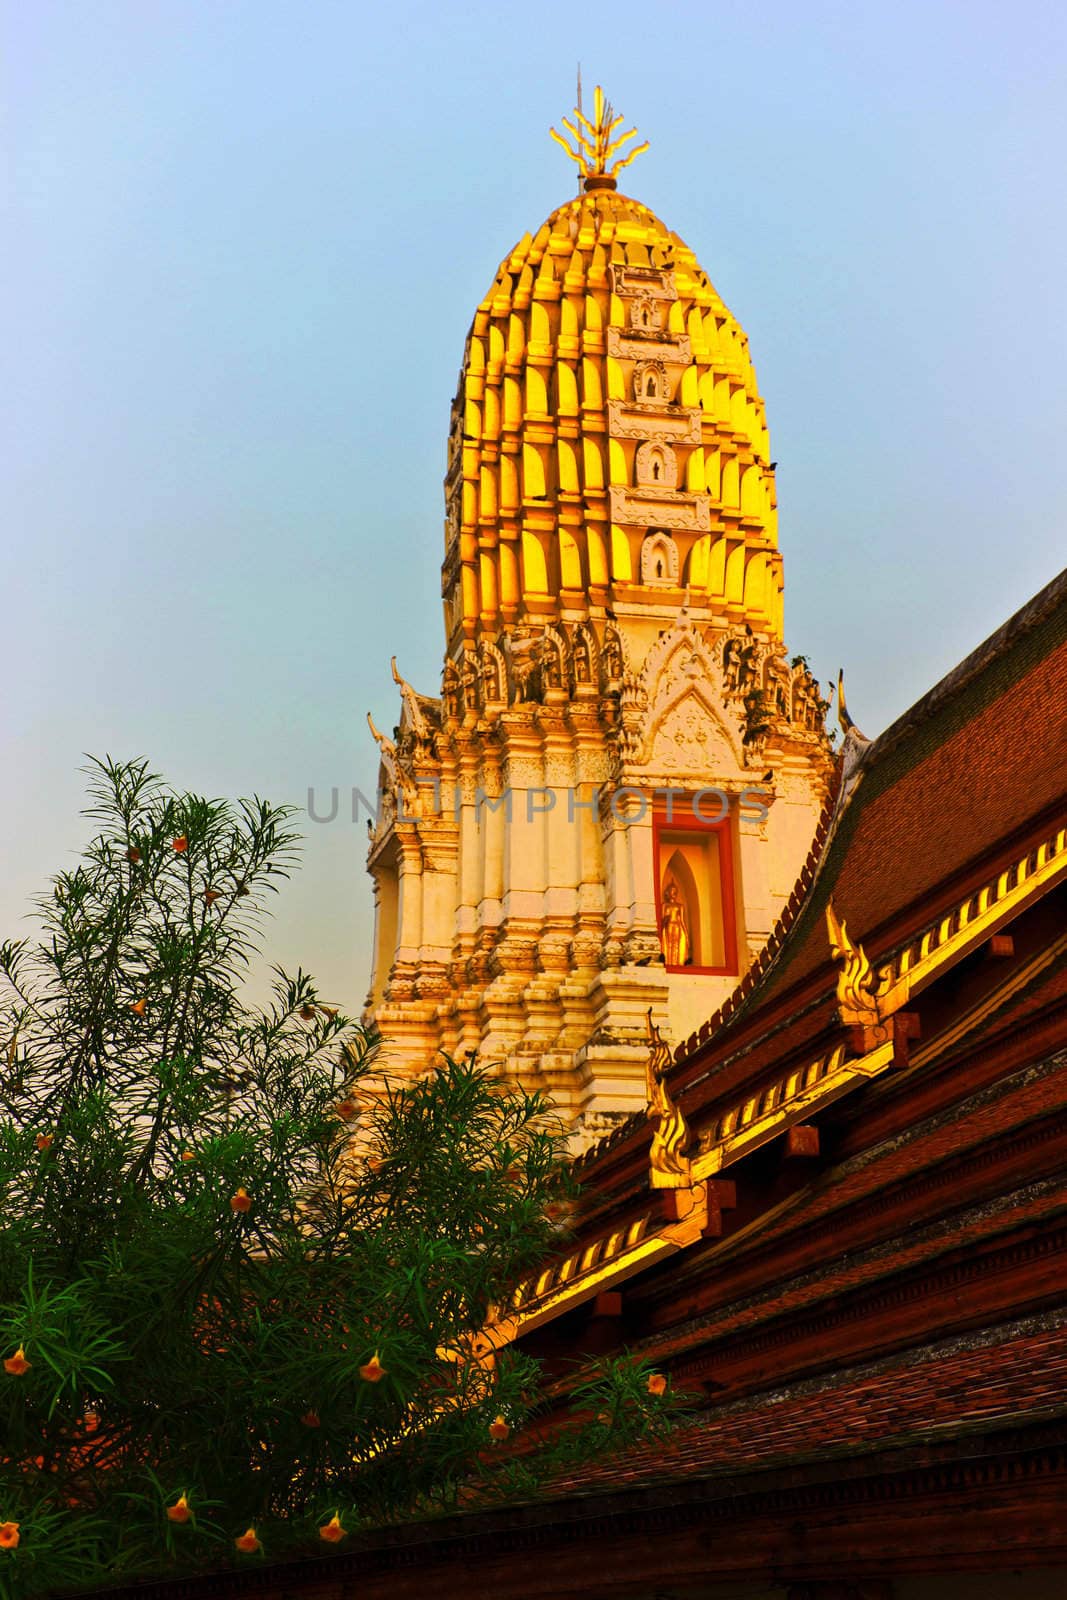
x=674, y=927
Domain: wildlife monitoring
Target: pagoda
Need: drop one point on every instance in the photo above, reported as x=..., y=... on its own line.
x=606, y=808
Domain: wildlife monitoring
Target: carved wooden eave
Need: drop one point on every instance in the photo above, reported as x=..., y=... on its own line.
x=689, y=1212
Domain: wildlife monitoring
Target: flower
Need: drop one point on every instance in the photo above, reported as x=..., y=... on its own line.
x=248, y=1543
x=17, y=1364
x=44, y=1141
x=133, y=854
x=9, y=1535
x=347, y=1110
x=241, y=1201
x=179, y=845
x=498, y=1428
x=179, y=1511
x=332, y=1531
x=188, y=1155
x=311, y=1419
x=329, y=1011
x=138, y=1007
x=307, y=1012
x=657, y=1383
x=211, y=895
x=372, y=1371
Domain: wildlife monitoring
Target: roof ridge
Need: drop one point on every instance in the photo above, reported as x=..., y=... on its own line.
x=1028, y=617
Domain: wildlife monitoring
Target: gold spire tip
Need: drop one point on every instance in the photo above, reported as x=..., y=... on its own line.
x=593, y=144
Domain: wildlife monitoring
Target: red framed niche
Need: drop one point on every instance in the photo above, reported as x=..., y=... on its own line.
x=695, y=858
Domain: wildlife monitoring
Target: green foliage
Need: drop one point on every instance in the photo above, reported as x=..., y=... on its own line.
x=242, y=1270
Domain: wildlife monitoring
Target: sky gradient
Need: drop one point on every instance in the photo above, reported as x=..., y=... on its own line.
x=244, y=243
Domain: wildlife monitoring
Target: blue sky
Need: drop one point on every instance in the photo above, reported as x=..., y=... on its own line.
x=243, y=243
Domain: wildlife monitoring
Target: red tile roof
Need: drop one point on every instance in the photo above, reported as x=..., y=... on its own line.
x=1004, y=1378
x=974, y=766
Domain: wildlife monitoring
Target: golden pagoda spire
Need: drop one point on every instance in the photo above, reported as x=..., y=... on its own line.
x=593, y=142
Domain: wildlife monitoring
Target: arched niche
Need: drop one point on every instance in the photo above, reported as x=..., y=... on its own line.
x=656, y=465
x=650, y=381
x=644, y=315
x=659, y=558
x=680, y=913
x=696, y=860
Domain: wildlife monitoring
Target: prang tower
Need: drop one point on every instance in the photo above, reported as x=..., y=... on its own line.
x=608, y=805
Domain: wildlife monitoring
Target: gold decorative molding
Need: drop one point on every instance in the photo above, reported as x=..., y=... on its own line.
x=856, y=1002
x=669, y=1167
x=794, y=1097
x=599, y=1265
x=972, y=921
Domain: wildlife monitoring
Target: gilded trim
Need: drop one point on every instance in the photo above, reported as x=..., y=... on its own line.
x=971, y=922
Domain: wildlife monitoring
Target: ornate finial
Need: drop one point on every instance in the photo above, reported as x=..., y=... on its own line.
x=401, y=782
x=594, y=145
x=384, y=743
x=855, y=982
x=669, y=1167
x=416, y=720
x=844, y=721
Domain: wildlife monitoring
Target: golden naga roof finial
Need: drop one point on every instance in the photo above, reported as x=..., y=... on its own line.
x=593, y=142
x=669, y=1165
x=856, y=1000
x=844, y=721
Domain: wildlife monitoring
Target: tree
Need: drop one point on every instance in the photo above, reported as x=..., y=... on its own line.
x=240, y=1287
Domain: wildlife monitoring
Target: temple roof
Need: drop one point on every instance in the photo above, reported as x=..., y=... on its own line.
x=1004, y=1378
x=963, y=773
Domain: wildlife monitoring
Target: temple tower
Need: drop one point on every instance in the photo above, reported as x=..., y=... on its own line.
x=608, y=805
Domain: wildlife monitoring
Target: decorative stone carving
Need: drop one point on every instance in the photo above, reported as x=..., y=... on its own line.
x=689, y=740
x=524, y=665
x=648, y=282
x=633, y=419
x=645, y=314
x=584, y=657
x=632, y=345
x=777, y=684
x=494, y=675
x=470, y=682
x=659, y=559
x=651, y=382
x=399, y=782
x=665, y=508
x=758, y=720
x=415, y=727
x=452, y=519
x=656, y=464
x=555, y=674
x=741, y=664
x=450, y=690
x=612, y=659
